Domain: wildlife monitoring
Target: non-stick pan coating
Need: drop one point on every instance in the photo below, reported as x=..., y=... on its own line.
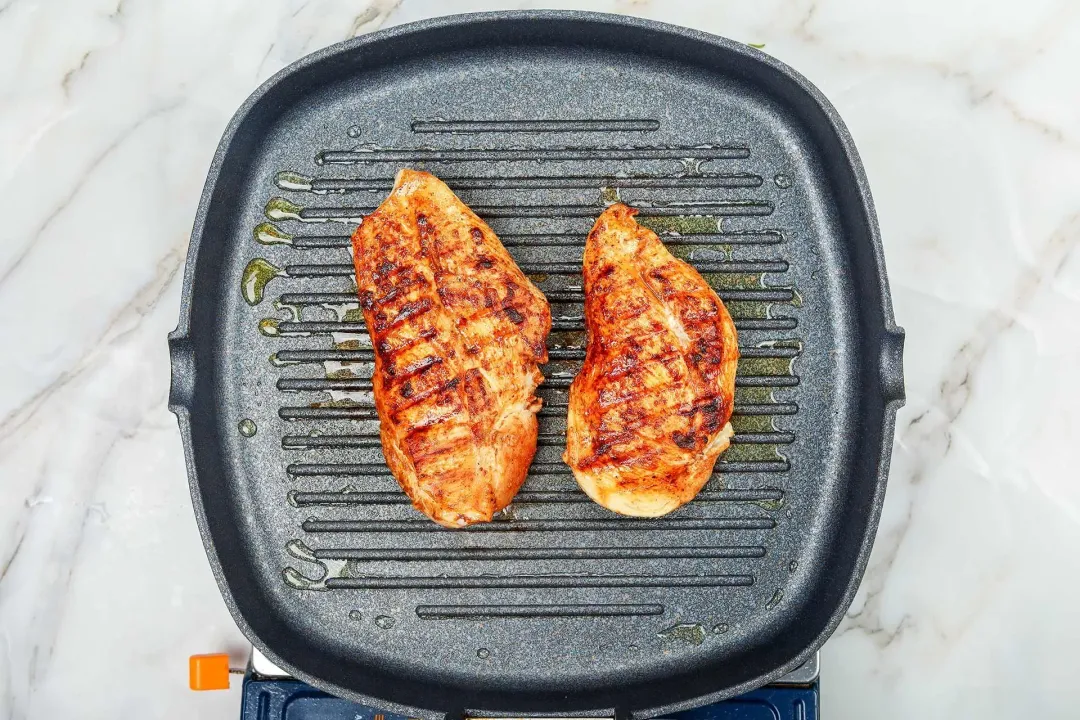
x=537, y=119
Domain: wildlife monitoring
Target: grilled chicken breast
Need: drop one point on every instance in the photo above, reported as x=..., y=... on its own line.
x=649, y=411
x=457, y=331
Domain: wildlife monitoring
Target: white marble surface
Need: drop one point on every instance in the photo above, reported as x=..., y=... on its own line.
x=967, y=115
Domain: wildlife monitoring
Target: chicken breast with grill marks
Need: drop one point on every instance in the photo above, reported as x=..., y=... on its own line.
x=649, y=412
x=457, y=331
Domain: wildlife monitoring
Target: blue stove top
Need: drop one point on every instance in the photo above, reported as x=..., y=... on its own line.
x=294, y=700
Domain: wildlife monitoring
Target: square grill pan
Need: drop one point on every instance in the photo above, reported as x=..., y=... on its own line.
x=537, y=120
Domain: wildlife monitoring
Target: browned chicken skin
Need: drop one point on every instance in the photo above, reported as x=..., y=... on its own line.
x=457, y=331
x=649, y=411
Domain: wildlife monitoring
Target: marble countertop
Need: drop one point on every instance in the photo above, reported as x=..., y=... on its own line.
x=967, y=117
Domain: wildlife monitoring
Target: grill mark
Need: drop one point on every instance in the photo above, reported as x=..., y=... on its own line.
x=380, y=470
x=483, y=612
x=299, y=498
x=551, y=382
x=344, y=185
x=600, y=524
x=411, y=310
x=301, y=241
x=558, y=268
x=539, y=581
x=398, y=156
x=493, y=554
x=420, y=367
x=684, y=440
x=781, y=295
x=727, y=468
x=317, y=355
x=515, y=317
x=534, y=126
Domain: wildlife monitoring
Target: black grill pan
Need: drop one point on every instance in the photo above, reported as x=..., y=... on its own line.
x=536, y=119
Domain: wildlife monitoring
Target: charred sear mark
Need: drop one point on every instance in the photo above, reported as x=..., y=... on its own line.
x=485, y=262
x=477, y=234
x=406, y=389
x=477, y=398
x=421, y=220
x=622, y=364
x=421, y=366
x=515, y=317
x=706, y=351
x=367, y=300
x=683, y=440
x=605, y=272
x=412, y=309
x=384, y=269
x=605, y=442
x=710, y=415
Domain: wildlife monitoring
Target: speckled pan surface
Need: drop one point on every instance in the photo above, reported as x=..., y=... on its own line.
x=537, y=119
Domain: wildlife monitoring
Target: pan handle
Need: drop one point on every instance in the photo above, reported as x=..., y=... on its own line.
x=892, y=366
x=182, y=361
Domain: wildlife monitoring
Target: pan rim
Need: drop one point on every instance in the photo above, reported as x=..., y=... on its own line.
x=183, y=386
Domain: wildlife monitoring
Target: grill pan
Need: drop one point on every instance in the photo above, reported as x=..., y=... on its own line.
x=536, y=119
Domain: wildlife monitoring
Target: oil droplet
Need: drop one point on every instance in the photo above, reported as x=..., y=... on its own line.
x=777, y=597
x=483, y=653
x=281, y=209
x=278, y=362
x=293, y=310
x=288, y=180
x=300, y=551
x=793, y=566
x=270, y=234
x=320, y=159
x=682, y=224
x=269, y=327
x=256, y=275
x=355, y=615
x=384, y=621
x=782, y=180
x=353, y=315
x=294, y=578
x=693, y=633
x=507, y=514
x=609, y=195
x=691, y=166
x=720, y=629
x=246, y=427
x=353, y=131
